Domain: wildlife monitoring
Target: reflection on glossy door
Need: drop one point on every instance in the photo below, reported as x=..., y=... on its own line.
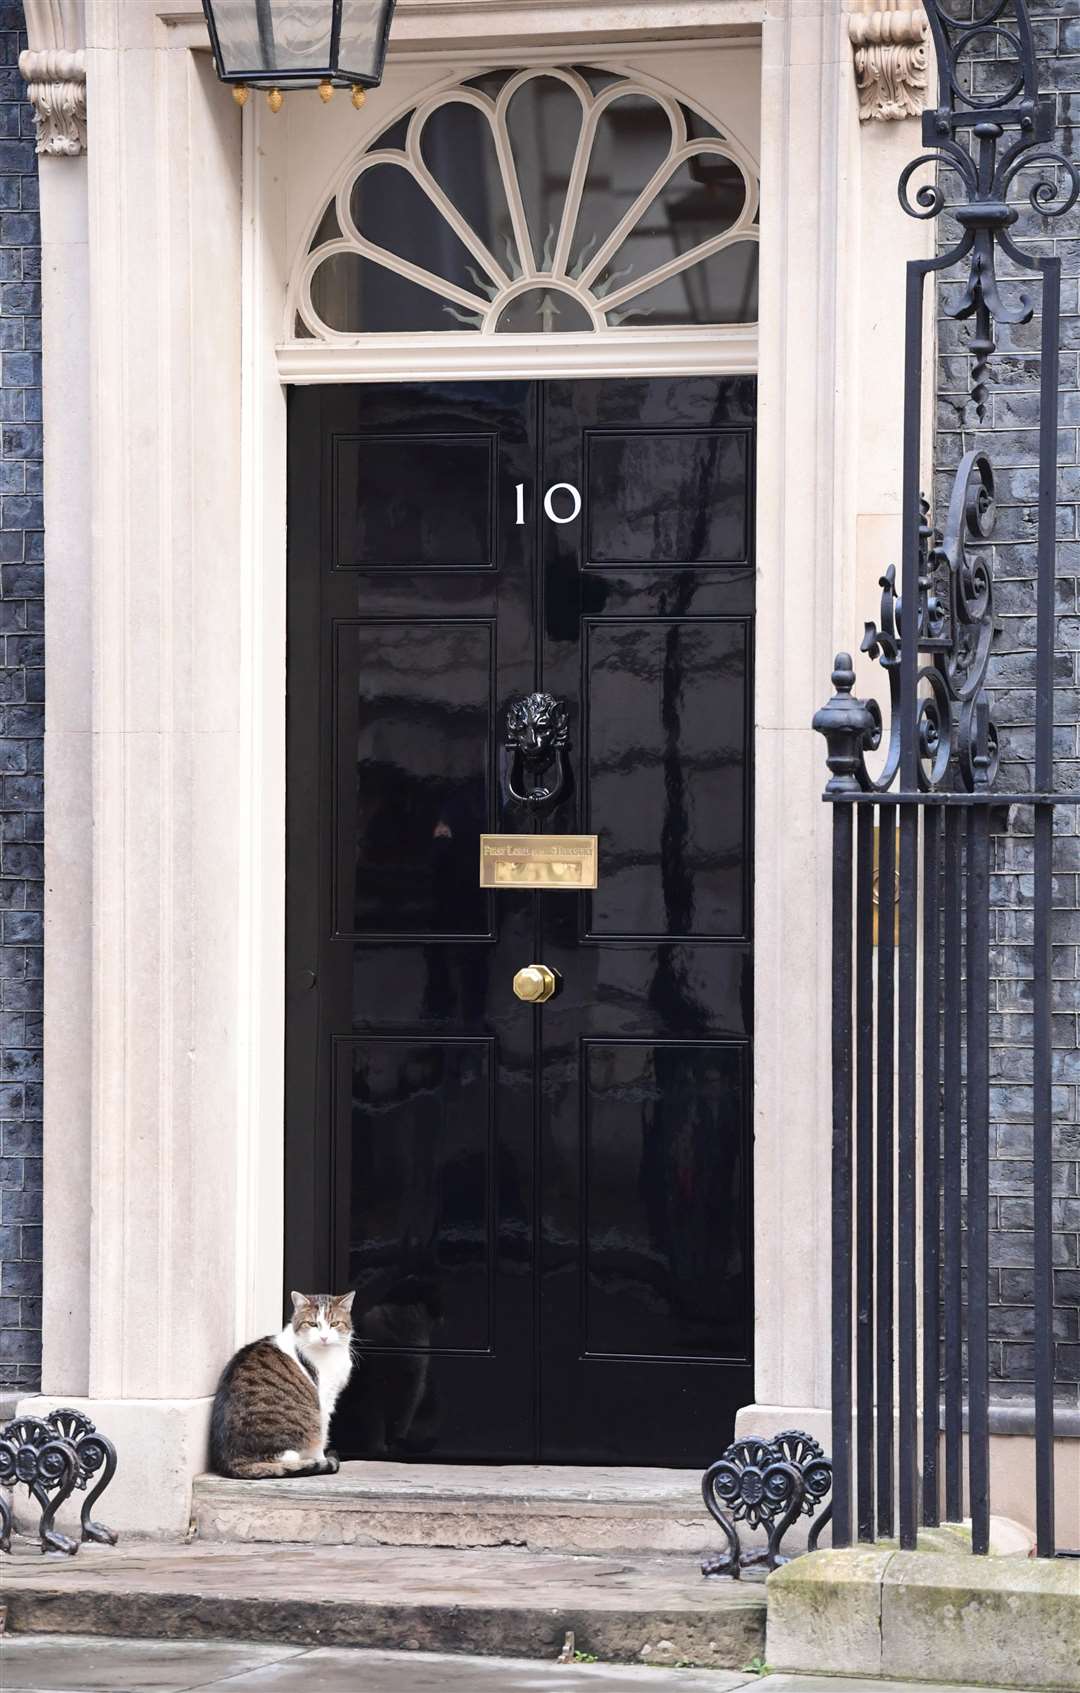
x=541, y=1199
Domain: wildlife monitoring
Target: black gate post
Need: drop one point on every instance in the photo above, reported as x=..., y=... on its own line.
x=845, y=722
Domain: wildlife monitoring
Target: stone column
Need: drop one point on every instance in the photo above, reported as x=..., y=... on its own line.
x=54, y=69
x=143, y=756
x=834, y=244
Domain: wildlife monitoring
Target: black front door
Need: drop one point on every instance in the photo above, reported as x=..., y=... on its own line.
x=544, y=1208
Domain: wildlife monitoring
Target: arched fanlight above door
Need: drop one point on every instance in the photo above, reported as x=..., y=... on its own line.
x=548, y=201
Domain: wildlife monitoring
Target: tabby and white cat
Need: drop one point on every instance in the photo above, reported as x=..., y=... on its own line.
x=273, y=1404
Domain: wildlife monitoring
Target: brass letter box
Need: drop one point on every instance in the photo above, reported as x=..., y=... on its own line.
x=566, y=862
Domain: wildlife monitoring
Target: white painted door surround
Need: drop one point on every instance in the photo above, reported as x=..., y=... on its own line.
x=168, y=251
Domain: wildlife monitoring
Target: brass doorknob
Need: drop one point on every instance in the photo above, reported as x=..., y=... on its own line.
x=536, y=983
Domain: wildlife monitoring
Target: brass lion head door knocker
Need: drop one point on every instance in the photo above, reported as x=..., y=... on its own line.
x=536, y=738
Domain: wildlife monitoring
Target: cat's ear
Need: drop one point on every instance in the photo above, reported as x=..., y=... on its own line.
x=344, y=1301
x=298, y=1299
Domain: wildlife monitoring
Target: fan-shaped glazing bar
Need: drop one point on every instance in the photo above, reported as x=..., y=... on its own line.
x=655, y=186
x=501, y=131
x=737, y=237
x=360, y=248
x=595, y=107
x=414, y=151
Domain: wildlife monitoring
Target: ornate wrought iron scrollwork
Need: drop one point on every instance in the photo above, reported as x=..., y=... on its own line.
x=765, y=1484
x=33, y=1454
x=953, y=627
x=985, y=140
x=537, y=737
x=93, y=1452
x=964, y=135
x=52, y=1457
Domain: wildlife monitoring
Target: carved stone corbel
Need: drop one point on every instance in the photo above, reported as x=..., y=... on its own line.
x=54, y=70
x=57, y=88
x=891, y=58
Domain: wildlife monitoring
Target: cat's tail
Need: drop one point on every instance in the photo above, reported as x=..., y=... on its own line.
x=264, y=1469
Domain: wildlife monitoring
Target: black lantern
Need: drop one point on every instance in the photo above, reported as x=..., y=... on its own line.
x=283, y=44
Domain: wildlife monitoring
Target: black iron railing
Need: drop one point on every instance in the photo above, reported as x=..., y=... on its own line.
x=911, y=1023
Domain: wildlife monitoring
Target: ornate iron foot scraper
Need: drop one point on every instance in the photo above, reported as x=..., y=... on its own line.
x=911, y=1004
x=765, y=1484
x=52, y=1458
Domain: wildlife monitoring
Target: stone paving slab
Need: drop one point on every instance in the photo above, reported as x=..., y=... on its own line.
x=87, y=1664
x=65, y=1663
x=90, y=1664
x=623, y=1609
x=856, y=1684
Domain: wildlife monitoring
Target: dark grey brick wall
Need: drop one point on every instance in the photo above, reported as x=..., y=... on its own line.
x=1010, y=434
x=22, y=693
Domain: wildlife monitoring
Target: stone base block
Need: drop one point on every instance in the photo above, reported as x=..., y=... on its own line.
x=940, y=1616
x=1012, y=1621
x=161, y=1446
x=773, y=1419
x=824, y=1613
x=1012, y=1480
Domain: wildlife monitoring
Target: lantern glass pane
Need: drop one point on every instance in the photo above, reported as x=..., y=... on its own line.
x=260, y=37
x=364, y=28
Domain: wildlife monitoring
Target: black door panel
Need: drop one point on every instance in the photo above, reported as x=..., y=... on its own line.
x=545, y=1210
x=645, y=1134
x=413, y=791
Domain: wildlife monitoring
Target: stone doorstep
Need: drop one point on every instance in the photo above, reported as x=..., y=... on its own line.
x=485, y=1603
x=543, y=1508
x=928, y=1615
